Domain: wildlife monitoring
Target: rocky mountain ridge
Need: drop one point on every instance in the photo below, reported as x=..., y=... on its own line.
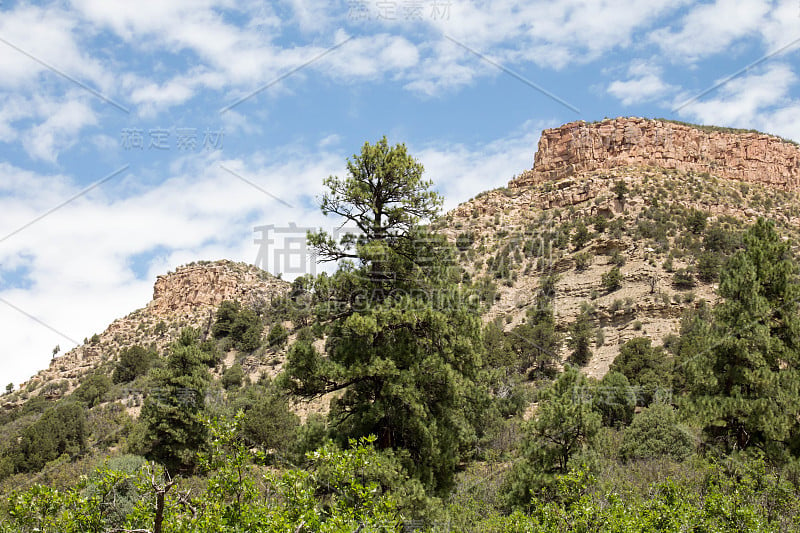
x=668, y=169
x=629, y=141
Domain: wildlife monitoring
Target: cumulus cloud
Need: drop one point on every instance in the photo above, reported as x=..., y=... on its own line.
x=708, y=29
x=743, y=101
x=644, y=84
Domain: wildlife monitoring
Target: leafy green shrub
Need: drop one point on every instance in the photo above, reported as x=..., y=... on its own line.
x=227, y=312
x=645, y=366
x=655, y=432
x=93, y=389
x=617, y=258
x=277, y=336
x=683, y=279
x=242, y=325
x=133, y=362
x=708, y=265
x=233, y=376
x=611, y=280
x=581, y=332
x=269, y=423
x=581, y=235
x=582, y=261
x=620, y=189
x=696, y=221
x=614, y=399
x=61, y=429
x=600, y=223
x=465, y=240
x=246, y=331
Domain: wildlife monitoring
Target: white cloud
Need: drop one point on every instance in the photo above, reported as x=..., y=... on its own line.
x=552, y=34
x=708, y=29
x=60, y=129
x=743, y=101
x=644, y=84
x=50, y=35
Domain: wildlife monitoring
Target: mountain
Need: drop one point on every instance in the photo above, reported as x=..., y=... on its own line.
x=606, y=254
x=684, y=187
x=511, y=238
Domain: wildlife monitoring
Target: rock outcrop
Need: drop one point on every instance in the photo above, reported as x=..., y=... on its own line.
x=622, y=142
x=206, y=285
x=187, y=297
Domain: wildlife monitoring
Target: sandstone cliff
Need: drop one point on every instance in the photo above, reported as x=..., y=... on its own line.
x=623, y=142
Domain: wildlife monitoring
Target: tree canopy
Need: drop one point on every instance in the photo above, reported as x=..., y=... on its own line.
x=403, y=346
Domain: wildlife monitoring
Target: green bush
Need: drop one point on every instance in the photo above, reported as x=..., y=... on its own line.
x=464, y=241
x=581, y=333
x=277, y=336
x=60, y=430
x=683, y=279
x=233, y=376
x=270, y=424
x=620, y=189
x=614, y=399
x=696, y=221
x=227, y=313
x=581, y=235
x=93, y=389
x=133, y=362
x=645, y=366
x=583, y=260
x=242, y=325
x=655, y=432
x=708, y=265
x=611, y=280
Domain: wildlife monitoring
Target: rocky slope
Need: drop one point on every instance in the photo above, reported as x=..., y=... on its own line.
x=513, y=237
x=670, y=172
x=187, y=297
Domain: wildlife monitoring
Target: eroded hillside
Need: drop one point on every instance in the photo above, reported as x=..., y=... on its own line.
x=597, y=198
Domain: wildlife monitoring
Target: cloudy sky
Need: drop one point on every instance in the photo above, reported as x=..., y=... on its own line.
x=139, y=136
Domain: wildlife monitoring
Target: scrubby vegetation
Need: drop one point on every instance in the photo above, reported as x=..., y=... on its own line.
x=437, y=421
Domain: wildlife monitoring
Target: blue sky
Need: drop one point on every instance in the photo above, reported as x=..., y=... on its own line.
x=139, y=136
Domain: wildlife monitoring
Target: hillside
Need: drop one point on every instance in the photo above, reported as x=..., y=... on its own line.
x=683, y=188
x=521, y=233
x=188, y=297
x=499, y=369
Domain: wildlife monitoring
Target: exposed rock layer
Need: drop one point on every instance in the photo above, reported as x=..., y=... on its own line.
x=208, y=285
x=622, y=142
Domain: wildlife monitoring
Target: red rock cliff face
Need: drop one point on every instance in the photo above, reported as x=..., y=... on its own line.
x=578, y=147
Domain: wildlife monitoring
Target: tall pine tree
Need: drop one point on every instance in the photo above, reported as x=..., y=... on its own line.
x=403, y=347
x=172, y=412
x=744, y=382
